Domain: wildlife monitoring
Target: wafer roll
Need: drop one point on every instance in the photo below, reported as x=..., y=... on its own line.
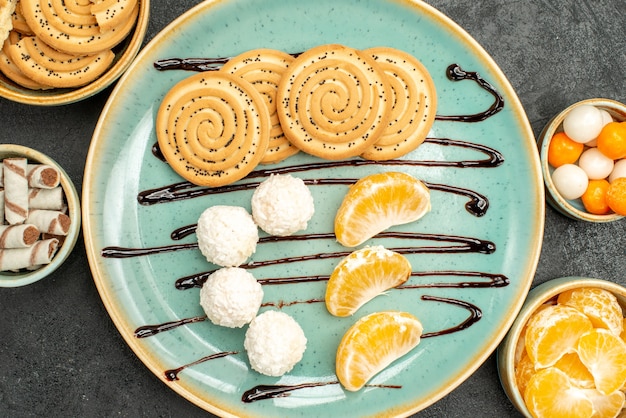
x=213, y=128
x=51, y=199
x=43, y=176
x=40, y=253
x=15, y=190
x=333, y=102
x=18, y=236
x=49, y=221
x=1, y=204
x=264, y=69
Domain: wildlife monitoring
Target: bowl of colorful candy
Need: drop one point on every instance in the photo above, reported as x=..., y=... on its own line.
x=583, y=159
x=565, y=354
x=40, y=215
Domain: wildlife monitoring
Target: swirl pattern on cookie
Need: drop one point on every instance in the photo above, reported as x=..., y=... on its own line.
x=213, y=128
x=112, y=13
x=11, y=71
x=264, y=69
x=46, y=66
x=414, y=104
x=333, y=102
x=70, y=27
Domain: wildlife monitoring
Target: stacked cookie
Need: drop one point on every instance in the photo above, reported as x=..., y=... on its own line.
x=332, y=101
x=62, y=44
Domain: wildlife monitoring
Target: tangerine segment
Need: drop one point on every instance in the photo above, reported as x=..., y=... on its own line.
x=377, y=202
x=551, y=394
x=600, y=305
x=623, y=334
x=553, y=332
x=524, y=370
x=606, y=406
x=577, y=372
x=363, y=275
x=374, y=342
x=604, y=354
x=612, y=140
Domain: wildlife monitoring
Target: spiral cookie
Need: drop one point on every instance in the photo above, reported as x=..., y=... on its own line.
x=333, y=102
x=264, y=69
x=414, y=104
x=46, y=66
x=213, y=128
x=70, y=27
x=9, y=69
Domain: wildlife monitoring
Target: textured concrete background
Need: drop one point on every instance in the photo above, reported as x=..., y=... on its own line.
x=60, y=354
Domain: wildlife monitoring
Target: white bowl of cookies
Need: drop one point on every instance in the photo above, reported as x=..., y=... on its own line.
x=40, y=215
x=58, y=52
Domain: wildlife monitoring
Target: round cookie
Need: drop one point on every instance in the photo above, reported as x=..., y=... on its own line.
x=414, y=104
x=11, y=71
x=48, y=67
x=70, y=27
x=213, y=128
x=264, y=68
x=333, y=102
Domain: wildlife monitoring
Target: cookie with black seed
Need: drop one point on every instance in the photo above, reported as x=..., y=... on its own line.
x=213, y=128
x=11, y=71
x=333, y=102
x=414, y=104
x=264, y=68
x=49, y=67
x=70, y=27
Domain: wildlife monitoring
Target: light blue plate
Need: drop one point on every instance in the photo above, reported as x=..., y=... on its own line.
x=140, y=291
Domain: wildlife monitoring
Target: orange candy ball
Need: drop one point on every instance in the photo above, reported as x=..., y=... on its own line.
x=612, y=140
x=616, y=196
x=594, y=198
x=563, y=150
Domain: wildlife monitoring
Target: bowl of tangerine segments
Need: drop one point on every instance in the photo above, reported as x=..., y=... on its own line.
x=565, y=354
x=583, y=159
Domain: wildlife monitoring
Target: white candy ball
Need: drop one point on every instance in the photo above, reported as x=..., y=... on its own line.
x=570, y=181
x=583, y=123
x=595, y=164
x=619, y=170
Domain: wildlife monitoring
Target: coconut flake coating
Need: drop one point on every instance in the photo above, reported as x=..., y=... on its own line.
x=282, y=205
x=275, y=343
x=227, y=235
x=231, y=297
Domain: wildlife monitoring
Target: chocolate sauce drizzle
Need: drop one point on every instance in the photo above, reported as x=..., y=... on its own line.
x=465, y=244
x=172, y=374
x=455, y=73
x=477, y=205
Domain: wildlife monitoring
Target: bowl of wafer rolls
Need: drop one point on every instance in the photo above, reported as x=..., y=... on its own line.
x=39, y=213
x=57, y=52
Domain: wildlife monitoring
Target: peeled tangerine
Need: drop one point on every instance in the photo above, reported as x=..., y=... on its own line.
x=363, y=275
x=377, y=202
x=374, y=342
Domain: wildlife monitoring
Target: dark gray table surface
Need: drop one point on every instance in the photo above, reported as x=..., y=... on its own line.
x=61, y=355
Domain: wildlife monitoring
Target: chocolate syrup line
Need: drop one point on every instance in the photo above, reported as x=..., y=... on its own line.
x=474, y=316
x=455, y=73
x=263, y=392
x=172, y=374
x=150, y=330
x=477, y=205
x=198, y=279
x=466, y=244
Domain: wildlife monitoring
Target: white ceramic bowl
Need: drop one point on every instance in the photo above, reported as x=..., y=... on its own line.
x=125, y=53
x=22, y=278
x=508, y=349
x=573, y=208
